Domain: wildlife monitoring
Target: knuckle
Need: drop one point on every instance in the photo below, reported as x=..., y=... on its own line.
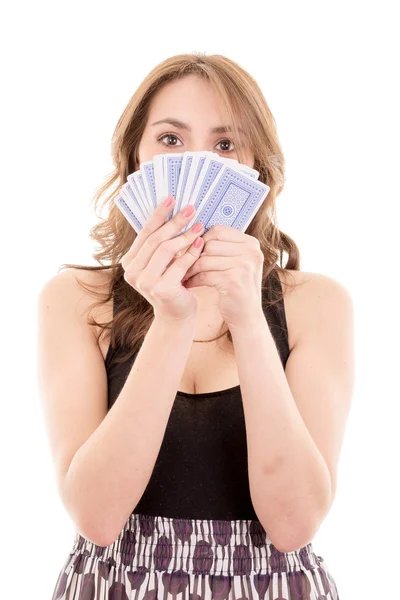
x=218, y=229
x=202, y=262
x=125, y=260
x=167, y=247
x=188, y=235
x=189, y=256
x=153, y=241
x=142, y=284
x=174, y=245
x=211, y=246
x=129, y=278
x=178, y=218
x=202, y=275
x=147, y=229
x=169, y=242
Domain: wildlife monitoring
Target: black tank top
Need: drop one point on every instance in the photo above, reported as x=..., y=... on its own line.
x=201, y=469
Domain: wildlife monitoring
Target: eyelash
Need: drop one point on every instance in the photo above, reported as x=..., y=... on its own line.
x=175, y=136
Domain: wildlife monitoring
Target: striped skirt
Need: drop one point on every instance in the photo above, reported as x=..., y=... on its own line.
x=160, y=558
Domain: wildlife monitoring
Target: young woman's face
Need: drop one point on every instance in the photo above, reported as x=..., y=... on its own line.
x=188, y=111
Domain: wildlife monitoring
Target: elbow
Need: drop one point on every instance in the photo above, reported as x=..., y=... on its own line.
x=87, y=523
x=293, y=542
x=92, y=521
x=95, y=535
x=291, y=533
x=97, y=530
x=296, y=536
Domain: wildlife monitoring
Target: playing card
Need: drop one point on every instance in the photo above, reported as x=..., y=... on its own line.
x=128, y=214
x=195, y=169
x=147, y=171
x=233, y=199
x=158, y=162
x=211, y=167
x=136, y=189
x=132, y=201
x=221, y=189
x=183, y=179
x=232, y=162
x=172, y=169
x=138, y=177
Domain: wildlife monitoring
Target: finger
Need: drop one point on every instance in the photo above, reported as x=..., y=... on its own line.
x=168, y=232
x=207, y=278
x=154, y=222
x=221, y=248
x=225, y=233
x=175, y=272
x=157, y=261
x=210, y=263
x=163, y=257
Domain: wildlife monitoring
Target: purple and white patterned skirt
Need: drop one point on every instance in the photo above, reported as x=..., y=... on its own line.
x=160, y=558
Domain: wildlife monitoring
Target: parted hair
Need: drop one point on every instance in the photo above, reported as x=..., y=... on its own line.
x=252, y=123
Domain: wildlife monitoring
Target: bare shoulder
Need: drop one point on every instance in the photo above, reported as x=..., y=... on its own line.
x=309, y=297
x=305, y=282
x=98, y=279
x=73, y=277
x=75, y=286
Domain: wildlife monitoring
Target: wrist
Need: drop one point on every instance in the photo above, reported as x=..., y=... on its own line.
x=252, y=325
x=168, y=322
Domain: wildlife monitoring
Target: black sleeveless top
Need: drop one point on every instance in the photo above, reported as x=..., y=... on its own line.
x=201, y=469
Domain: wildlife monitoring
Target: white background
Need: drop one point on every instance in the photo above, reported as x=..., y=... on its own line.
x=329, y=72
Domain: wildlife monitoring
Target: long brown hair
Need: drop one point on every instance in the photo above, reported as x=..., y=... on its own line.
x=240, y=96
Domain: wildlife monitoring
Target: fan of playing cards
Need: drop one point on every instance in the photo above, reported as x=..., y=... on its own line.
x=222, y=190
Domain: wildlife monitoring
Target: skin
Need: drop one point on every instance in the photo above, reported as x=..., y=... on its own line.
x=193, y=101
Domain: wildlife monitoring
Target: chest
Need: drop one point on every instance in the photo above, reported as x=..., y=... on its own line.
x=211, y=366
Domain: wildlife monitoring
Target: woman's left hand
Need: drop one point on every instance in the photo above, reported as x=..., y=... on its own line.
x=232, y=262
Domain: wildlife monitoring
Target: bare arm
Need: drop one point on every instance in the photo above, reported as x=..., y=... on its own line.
x=296, y=418
x=108, y=470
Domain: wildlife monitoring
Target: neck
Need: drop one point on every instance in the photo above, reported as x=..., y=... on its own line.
x=209, y=320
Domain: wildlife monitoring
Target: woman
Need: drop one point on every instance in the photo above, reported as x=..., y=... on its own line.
x=196, y=427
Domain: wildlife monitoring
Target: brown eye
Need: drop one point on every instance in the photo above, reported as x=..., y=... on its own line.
x=170, y=137
x=225, y=145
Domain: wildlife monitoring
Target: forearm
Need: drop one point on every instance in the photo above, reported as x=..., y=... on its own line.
x=289, y=481
x=111, y=470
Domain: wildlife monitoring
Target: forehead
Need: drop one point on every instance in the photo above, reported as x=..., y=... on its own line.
x=189, y=98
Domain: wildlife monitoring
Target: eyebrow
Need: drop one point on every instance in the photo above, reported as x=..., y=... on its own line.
x=181, y=125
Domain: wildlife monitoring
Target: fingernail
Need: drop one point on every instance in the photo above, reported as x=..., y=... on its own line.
x=197, y=227
x=168, y=201
x=188, y=210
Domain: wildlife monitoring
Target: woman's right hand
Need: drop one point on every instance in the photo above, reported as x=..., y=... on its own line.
x=151, y=267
